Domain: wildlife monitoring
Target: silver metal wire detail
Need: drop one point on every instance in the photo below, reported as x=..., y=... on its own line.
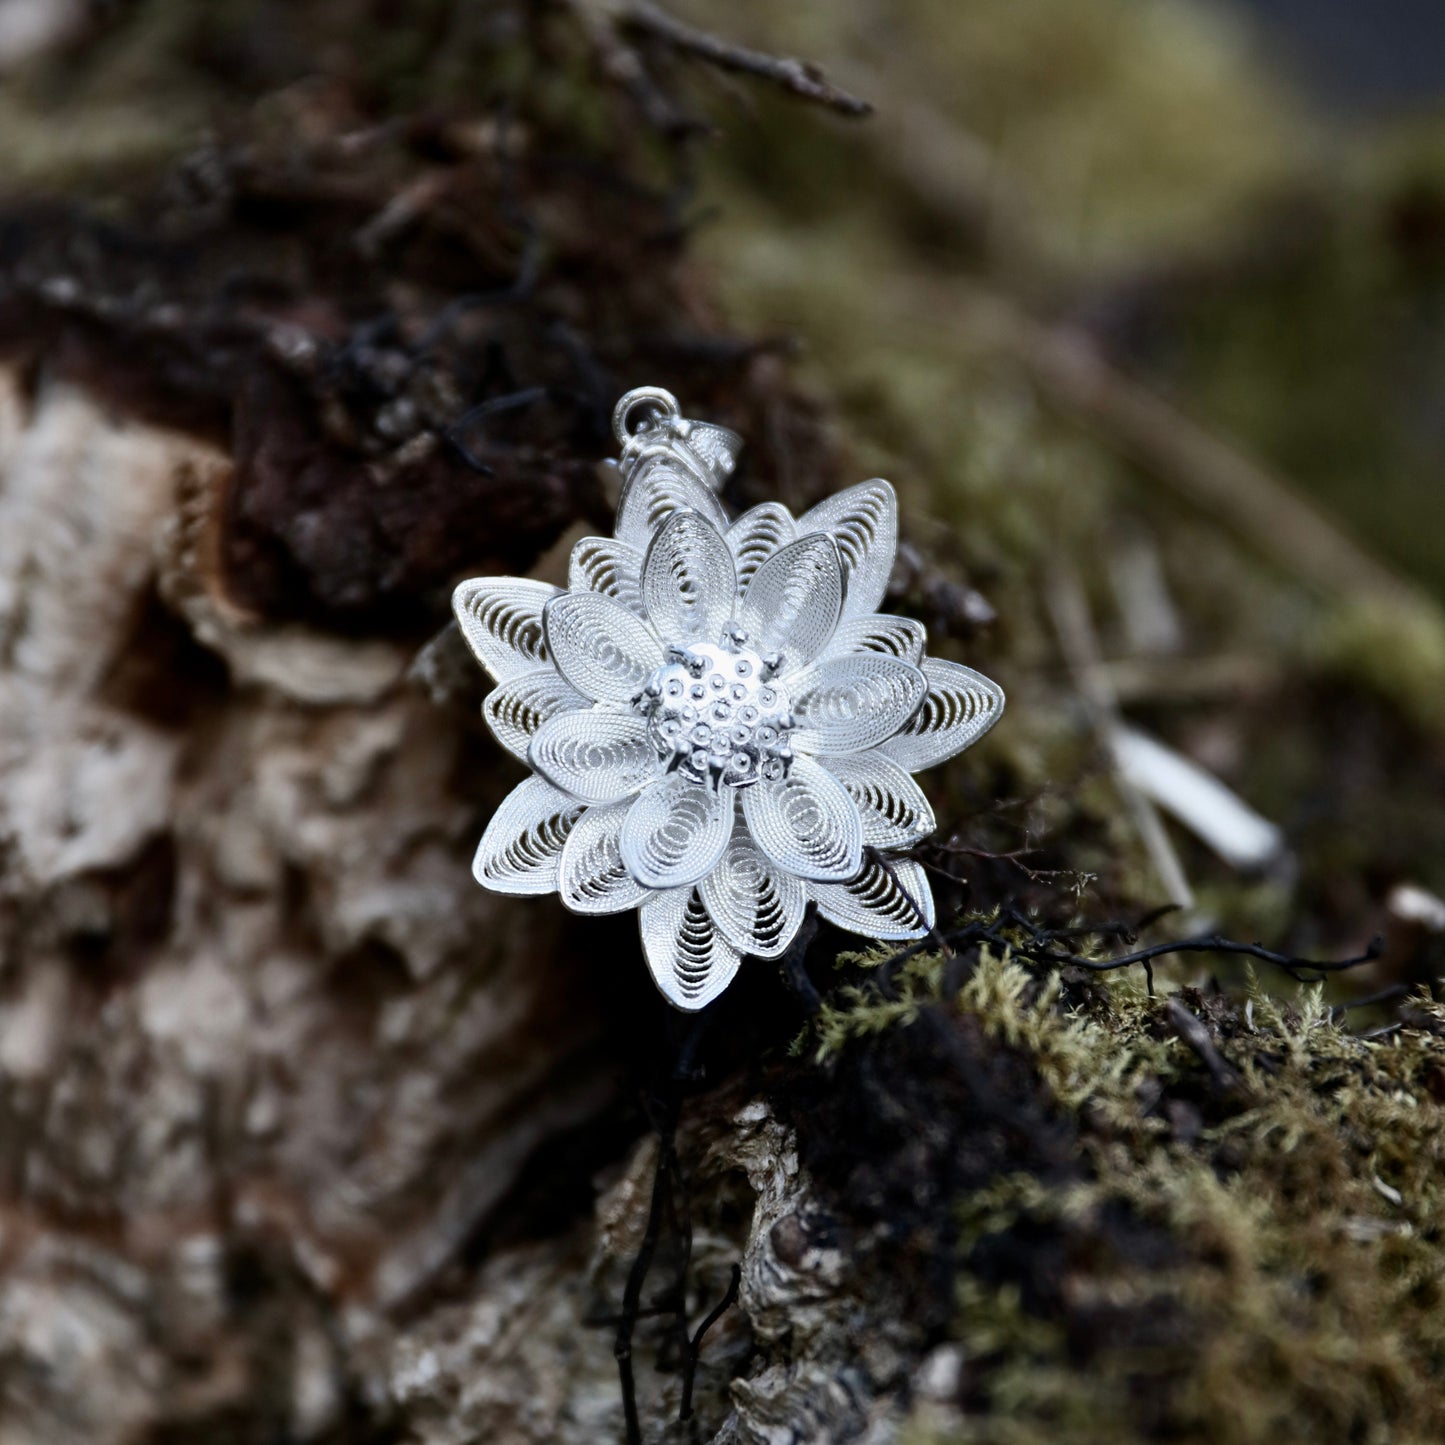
x=794, y=600
x=716, y=447
x=501, y=620
x=515, y=710
x=610, y=567
x=656, y=406
x=959, y=707
x=600, y=755
x=591, y=877
x=602, y=649
x=846, y=704
x=688, y=579
x=806, y=824
x=691, y=962
x=889, y=901
x=894, y=811
x=863, y=521
x=523, y=842
x=659, y=485
x=756, y=535
x=675, y=833
x=758, y=908
x=899, y=637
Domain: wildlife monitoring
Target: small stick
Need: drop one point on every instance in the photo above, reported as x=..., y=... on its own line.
x=798, y=77
x=637, y=1277
x=694, y=1349
x=1192, y=1031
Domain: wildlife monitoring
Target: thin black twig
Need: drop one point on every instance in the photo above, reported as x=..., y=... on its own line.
x=454, y=434
x=694, y=1349
x=668, y=1205
x=794, y=970
x=914, y=906
x=1022, y=937
x=1302, y=970
x=1369, y=1000
x=637, y=1275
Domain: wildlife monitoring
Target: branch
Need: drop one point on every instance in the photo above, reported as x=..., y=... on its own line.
x=1024, y=938
x=797, y=77
x=694, y=1349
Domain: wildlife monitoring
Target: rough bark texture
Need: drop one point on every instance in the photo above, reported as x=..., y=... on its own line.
x=306, y=1137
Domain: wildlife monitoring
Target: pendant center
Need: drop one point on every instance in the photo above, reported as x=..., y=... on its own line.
x=716, y=715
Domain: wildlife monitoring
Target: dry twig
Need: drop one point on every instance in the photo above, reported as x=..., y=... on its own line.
x=797, y=77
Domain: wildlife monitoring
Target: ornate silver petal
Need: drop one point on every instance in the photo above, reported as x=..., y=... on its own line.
x=600, y=647
x=793, y=602
x=610, y=567
x=889, y=900
x=599, y=755
x=691, y=962
x=899, y=637
x=716, y=447
x=756, y=535
x=675, y=833
x=864, y=523
x=501, y=619
x=756, y=907
x=961, y=705
x=806, y=823
x=592, y=878
x=894, y=811
x=523, y=842
x=515, y=710
x=846, y=704
x=688, y=582
x=657, y=487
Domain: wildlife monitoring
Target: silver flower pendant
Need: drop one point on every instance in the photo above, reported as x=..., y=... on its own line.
x=720, y=723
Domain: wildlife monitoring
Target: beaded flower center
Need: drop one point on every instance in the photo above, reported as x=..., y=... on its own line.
x=716, y=715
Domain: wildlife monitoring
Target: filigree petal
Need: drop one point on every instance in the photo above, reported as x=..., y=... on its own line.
x=501, y=619
x=515, y=710
x=756, y=907
x=899, y=637
x=864, y=523
x=599, y=755
x=960, y=706
x=519, y=851
x=894, y=810
x=806, y=823
x=688, y=582
x=675, y=832
x=691, y=962
x=846, y=704
x=890, y=900
x=659, y=486
x=600, y=647
x=592, y=878
x=609, y=567
x=756, y=535
x=716, y=447
x=794, y=600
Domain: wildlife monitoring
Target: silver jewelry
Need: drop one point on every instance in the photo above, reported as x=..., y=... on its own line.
x=720, y=724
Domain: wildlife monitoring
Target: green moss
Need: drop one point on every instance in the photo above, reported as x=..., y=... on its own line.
x=1250, y=1262
x=1397, y=651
